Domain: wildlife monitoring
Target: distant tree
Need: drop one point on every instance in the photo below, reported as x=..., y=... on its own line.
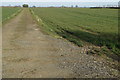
x=72, y=6
x=34, y=6
x=63, y=6
x=9, y=5
x=119, y=4
x=108, y=5
x=25, y=5
x=104, y=6
x=76, y=6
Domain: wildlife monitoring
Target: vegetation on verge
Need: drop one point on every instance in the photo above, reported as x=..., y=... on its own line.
x=79, y=25
x=8, y=12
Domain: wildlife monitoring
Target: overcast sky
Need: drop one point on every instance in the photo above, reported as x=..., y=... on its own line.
x=57, y=3
x=60, y=0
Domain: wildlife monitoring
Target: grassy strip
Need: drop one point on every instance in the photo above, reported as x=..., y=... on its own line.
x=13, y=15
x=44, y=27
x=58, y=32
x=67, y=23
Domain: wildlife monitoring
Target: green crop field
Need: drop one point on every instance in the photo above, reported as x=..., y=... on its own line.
x=78, y=25
x=8, y=12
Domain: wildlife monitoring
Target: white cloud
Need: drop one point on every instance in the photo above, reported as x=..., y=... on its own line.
x=60, y=0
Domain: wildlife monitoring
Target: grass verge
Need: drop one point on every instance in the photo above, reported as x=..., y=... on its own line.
x=11, y=16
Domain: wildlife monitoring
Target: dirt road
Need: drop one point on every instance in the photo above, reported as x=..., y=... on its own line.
x=28, y=53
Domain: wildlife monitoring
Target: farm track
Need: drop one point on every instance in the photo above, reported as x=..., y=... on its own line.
x=28, y=53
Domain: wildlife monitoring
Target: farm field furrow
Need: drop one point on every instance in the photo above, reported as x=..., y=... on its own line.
x=95, y=26
x=8, y=12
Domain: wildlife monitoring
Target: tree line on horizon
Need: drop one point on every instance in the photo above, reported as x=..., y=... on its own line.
x=72, y=6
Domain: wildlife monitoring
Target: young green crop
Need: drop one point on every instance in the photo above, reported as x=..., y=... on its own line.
x=96, y=26
x=7, y=12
